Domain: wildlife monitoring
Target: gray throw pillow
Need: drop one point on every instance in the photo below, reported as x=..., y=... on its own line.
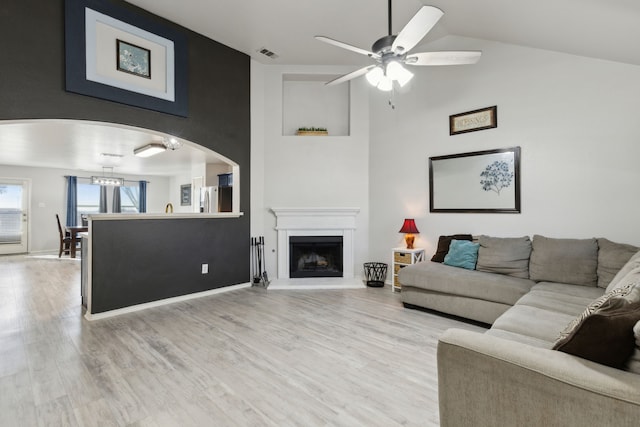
x=611, y=258
x=630, y=266
x=632, y=277
x=573, y=261
x=504, y=255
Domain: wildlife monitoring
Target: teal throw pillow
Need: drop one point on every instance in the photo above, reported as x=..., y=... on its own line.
x=462, y=253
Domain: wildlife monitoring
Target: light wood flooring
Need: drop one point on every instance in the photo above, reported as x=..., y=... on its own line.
x=249, y=357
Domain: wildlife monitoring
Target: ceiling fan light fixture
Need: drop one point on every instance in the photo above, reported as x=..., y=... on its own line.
x=395, y=71
x=391, y=52
x=374, y=76
x=386, y=84
x=149, y=149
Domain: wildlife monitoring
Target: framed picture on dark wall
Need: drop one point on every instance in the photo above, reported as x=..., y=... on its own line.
x=476, y=182
x=133, y=59
x=96, y=32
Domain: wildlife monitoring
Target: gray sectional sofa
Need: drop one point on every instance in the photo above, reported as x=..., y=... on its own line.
x=542, y=362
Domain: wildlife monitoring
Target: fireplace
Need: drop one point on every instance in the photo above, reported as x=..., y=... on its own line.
x=323, y=223
x=315, y=256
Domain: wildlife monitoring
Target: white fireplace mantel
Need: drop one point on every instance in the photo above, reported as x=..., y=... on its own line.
x=316, y=222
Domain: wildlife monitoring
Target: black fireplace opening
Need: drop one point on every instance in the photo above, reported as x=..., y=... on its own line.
x=315, y=256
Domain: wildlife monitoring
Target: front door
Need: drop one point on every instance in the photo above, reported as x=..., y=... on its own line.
x=14, y=220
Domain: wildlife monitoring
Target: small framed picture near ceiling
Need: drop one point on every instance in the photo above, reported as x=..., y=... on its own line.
x=471, y=121
x=477, y=182
x=133, y=59
x=111, y=52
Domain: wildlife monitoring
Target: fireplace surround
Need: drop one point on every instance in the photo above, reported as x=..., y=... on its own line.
x=334, y=222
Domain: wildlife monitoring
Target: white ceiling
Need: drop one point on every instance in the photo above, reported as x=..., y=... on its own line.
x=605, y=29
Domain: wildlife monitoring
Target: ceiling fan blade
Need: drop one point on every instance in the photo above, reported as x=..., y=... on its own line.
x=347, y=46
x=351, y=75
x=461, y=57
x=421, y=23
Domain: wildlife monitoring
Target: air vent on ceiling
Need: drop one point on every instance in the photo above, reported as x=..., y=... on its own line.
x=111, y=155
x=267, y=52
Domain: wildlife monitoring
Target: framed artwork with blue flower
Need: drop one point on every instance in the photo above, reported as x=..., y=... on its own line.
x=477, y=182
x=133, y=59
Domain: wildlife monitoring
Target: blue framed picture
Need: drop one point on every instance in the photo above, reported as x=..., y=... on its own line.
x=96, y=32
x=133, y=59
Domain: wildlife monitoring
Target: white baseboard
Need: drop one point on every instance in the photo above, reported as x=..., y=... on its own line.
x=138, y=307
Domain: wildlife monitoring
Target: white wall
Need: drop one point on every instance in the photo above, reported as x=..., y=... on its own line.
x=49, y=197
x=574, y=117
x=291, y=171
x=258, y=128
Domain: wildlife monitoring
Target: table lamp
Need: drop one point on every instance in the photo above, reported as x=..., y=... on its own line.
x=409, y=228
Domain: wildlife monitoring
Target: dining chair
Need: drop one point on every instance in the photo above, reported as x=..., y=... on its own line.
x=65, y=239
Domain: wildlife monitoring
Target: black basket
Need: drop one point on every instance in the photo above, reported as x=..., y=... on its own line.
x=375, y=273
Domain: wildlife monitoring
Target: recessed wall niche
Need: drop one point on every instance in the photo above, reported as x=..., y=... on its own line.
x=307, y=102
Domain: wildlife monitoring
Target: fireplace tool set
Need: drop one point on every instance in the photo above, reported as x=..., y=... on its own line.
x=258, y=263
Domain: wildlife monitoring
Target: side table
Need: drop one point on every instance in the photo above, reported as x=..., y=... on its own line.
x=401, y=257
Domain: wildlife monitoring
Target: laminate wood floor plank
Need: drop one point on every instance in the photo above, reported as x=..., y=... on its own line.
x=250, y=357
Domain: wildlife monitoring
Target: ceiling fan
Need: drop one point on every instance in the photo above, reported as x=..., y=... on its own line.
x=392, y=52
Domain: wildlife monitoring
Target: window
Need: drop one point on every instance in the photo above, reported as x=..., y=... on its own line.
x=129, y=199
x=88, y=200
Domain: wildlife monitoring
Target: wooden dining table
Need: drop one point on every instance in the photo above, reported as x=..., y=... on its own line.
x=73, y=234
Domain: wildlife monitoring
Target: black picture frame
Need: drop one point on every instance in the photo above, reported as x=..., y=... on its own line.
x=472, y=121
x=476, y=182
x=76, y=59
x=185, y=195
x=121, y=65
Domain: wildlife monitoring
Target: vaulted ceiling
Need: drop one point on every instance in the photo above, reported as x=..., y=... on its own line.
x=606, y=29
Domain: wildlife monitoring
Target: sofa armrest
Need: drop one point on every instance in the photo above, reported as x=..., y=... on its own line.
x=489, y=381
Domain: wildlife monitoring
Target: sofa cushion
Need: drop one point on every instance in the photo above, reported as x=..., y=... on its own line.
x=514, y=336
x=553, y=301
x=632, y=264
x=444, y=279
x=585, y=292
x=443, y=245
x=504, y=255
x=572, y=261
x=462, y=253
x=534, y=322
x=611, y=258
x=604, y=337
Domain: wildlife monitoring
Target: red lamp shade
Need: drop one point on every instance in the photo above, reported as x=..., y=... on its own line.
x=409, y=227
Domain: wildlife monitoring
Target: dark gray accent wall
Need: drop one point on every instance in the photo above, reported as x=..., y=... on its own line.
x=32, y=86
x=143, y=260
